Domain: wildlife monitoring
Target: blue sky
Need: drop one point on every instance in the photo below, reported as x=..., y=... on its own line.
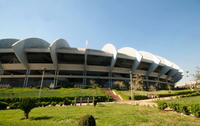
x=169, y=28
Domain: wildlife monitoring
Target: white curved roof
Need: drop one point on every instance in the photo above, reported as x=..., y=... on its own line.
x=110, y=48
x=32, y=43
x=59, y=43
x=131, y=52
x=21, y=46
x=164, y=61
x=149, y=57
x=7, y=43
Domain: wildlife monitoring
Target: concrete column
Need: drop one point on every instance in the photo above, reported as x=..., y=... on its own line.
x=110, y=80
x=41, y=83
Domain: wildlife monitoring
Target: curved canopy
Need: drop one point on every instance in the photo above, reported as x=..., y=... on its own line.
x=7, y=43
x=19, y=47
x=150, y=57
x=131, y=52
x=110, y=48
x=59, y=43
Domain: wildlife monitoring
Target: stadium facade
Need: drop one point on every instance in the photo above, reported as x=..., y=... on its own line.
x=25, y=63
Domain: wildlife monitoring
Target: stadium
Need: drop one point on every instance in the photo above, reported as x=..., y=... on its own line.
x=32, y=61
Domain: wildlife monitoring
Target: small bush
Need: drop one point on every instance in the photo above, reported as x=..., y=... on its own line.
x=184, y=109
x=87, y=120
x=15, y=105
x=162, y=105
x=26, y=105
x=3, y=105
x=195, y=110
x=140, y=97
x=95, y=103
x=174, y=106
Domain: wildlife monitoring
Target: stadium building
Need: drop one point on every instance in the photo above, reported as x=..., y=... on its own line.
x=25, y=63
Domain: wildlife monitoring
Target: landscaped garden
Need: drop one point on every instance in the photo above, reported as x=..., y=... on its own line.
x=104, y=114
x=186, y=105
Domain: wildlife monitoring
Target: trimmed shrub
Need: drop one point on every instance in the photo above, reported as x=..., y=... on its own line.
x=184, y=109
x=195, y=110
x=140, y=97
x=26, y=105
x=3, y=105
x=67, y=101
x=53, y=103
x=14, y=105
x=162, y=105
x=95, y=103
x=87, y=120
x=174, y=106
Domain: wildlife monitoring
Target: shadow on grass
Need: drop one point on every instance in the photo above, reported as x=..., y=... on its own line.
x=41, y=118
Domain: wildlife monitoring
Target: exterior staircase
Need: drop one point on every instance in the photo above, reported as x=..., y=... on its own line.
x=110, y=93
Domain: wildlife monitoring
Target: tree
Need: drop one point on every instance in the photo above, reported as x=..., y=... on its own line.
x=138, y=82
x=169, y=87
x=119, y=84
x=152, y=88
x=26, y=105
x=197, y=74
x=197, y=77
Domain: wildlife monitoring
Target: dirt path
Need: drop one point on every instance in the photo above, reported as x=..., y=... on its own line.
x=147, y=102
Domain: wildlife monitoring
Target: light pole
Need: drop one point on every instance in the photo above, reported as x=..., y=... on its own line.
x=43, y=72
x=187, y=75
x=131, y=83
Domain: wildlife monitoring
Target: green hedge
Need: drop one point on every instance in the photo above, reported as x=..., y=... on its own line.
x=44, y=101
x=162, y=105
x=195, y=110
x=140, y=97
x=190, y=95
x=188, y=92
x=183, y=108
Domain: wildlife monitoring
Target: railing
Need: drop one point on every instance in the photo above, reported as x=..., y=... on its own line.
x=80, y=100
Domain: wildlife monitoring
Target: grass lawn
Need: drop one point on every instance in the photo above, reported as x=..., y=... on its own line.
x=187, y=100
x=28, y=92
x=105, y=115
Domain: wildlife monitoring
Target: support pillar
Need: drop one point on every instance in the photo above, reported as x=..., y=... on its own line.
x=147, y=82
x=41, y=83
x=131, y=83
x=26, y=78
x=110, y=80
x=56, y=81
x=84, y=78
x=1, y=73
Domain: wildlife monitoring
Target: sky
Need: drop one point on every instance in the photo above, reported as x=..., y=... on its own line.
x=168, y=28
